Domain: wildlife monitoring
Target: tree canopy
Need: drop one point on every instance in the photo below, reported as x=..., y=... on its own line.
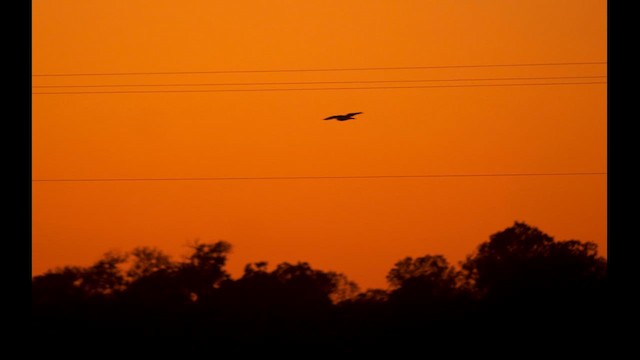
x=518, y=278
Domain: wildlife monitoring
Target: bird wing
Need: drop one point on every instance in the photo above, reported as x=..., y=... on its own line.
x=332, y=117
x=352, y=114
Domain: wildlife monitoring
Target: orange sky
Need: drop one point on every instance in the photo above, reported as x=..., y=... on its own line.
x=357, y=226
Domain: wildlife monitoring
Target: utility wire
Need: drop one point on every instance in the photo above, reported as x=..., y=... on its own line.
x=328, y=69
x=329, y=82
x=322, y=177
x=312, y=89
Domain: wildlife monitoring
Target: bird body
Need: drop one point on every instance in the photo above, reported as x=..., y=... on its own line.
x=349, y=116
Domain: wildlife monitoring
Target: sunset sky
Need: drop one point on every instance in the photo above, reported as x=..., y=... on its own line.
x=357, y=226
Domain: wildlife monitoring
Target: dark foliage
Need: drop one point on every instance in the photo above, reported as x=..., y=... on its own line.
x=520, y=286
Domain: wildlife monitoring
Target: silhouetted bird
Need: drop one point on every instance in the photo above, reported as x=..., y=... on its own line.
x=349, y=116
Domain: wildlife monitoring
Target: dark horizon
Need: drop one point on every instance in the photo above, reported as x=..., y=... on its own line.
x=521, y=279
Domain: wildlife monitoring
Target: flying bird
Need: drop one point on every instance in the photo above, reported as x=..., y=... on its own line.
x=349, y=116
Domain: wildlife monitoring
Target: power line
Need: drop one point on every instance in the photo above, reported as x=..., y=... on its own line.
x=329, y=82
x=328, y=69
x=322, y=177
x=311, y=89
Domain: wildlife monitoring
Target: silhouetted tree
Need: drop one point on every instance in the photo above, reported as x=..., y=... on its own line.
x=204, y=269
x=430, y=268
x=147, y=260
x=153, y=283
x=343, y=288
x=425, y=289
x=160, y=289
x=309, y=285
x=295, y=283
x=522, y=261
x=426, y=280
x=59, y=286
x=105, y=277
x=526, y=280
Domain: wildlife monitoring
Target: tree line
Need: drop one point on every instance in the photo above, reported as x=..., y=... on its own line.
x=518, y=281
